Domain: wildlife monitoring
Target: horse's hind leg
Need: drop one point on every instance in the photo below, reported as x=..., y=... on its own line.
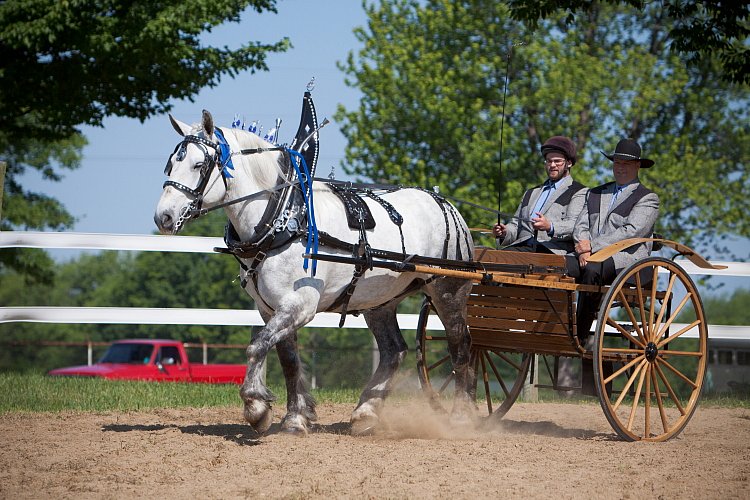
x=393, y=349
x=300, y=405
x=449, y=296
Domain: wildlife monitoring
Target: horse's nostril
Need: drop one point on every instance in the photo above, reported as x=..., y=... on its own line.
x=163, y=221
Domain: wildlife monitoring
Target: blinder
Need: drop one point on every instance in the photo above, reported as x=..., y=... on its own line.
x=209, y=162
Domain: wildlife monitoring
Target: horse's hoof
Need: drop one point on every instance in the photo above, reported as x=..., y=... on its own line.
x=294, y=425
x=259, y=415
x=364, y=426
x=364, y=420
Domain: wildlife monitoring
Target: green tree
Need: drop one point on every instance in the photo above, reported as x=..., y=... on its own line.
x=699, y=30
x=727, y=309
x=432, y=76
x=68, y=63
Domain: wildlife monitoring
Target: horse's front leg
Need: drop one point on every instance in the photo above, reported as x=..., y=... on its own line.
x=294, y=310
x=300, y=405
x=392, y=347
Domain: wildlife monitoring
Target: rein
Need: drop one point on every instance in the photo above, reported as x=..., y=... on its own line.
x=203, y=211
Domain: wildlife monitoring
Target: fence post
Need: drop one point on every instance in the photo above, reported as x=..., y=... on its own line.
x=3, y=166
x=205, y=353
x=90, y=352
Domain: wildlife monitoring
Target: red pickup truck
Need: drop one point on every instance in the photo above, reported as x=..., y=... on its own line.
x=150, y=359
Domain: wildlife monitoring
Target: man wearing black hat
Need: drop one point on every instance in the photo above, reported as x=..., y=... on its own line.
x=613, y=212
x=545, y=218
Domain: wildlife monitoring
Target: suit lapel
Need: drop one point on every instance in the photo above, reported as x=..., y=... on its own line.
x=604, y=206
x=556, y=193
x=629, y=189
x=535, y=194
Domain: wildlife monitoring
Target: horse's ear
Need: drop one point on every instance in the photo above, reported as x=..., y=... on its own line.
x=182, y=128
x=208, y=123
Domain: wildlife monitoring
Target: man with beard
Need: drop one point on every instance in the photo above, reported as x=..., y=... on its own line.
x=545, y=218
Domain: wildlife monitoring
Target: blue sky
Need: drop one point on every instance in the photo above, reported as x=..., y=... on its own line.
x=119, y=182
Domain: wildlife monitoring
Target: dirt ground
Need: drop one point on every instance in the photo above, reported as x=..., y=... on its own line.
x=539, y=451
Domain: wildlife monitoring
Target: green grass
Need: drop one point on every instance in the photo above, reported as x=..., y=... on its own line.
x=39, y=393
x=35, y=392
x=725, y=401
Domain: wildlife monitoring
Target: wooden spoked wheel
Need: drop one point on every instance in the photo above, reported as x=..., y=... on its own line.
x=650, y=351
x=499, y=379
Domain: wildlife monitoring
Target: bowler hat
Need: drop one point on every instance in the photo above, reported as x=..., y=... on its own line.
x=563, y=145
x=628, y=149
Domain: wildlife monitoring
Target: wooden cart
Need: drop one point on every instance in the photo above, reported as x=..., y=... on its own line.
x=648, y=348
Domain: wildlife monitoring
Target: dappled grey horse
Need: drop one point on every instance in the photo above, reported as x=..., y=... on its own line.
x=268, y=195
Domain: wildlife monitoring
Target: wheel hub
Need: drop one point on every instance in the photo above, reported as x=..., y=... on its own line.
x=651, y=351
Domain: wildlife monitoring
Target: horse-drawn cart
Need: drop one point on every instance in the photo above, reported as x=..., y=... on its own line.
x=649, y=345
x=648, y=350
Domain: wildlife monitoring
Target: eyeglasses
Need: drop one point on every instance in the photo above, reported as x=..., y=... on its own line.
x=555, y=161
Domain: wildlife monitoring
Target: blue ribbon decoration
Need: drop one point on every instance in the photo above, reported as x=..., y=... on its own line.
x=305, y=181
x=225, y=155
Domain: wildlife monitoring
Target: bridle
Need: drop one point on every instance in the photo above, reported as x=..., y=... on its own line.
x=209, y=162
x=221, y=160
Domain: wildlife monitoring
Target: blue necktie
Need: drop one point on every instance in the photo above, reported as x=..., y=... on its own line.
x=543, y=197
x=617, y=192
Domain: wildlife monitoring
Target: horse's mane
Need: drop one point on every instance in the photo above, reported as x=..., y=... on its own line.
x=264, y=169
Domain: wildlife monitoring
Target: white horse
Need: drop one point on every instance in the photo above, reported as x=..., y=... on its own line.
x=289, y=296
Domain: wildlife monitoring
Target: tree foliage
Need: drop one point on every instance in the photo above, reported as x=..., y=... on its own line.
x=68, y=63
x=432, y=76
x=728, y=309
x=698, y=29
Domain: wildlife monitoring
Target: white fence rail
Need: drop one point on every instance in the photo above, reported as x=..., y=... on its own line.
x=197, y=244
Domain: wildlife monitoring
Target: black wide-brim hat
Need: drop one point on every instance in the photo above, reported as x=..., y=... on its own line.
x=629, y=150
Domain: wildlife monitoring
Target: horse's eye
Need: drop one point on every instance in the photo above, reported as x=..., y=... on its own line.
x=198, y=166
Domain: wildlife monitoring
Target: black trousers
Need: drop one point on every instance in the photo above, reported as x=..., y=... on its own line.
x=603, y=273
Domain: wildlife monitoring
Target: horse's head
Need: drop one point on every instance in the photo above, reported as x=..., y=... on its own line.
x=195, y=178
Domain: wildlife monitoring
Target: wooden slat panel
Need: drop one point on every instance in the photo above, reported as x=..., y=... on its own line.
x=534, y=305
x=528, y=326
x=509, y=257
x=519, y=292
x=484, y=336
x=523, y=342
x=546, y=315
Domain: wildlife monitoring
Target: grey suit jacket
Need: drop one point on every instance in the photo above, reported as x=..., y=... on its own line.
x=562, y=215
x=603, y=225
